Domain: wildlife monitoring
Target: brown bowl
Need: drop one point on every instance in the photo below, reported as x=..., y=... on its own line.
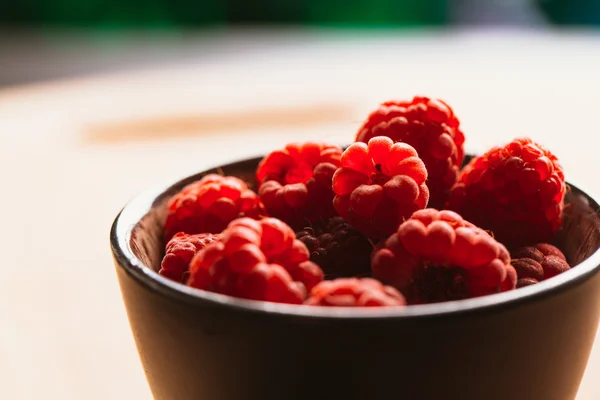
x=531, y=343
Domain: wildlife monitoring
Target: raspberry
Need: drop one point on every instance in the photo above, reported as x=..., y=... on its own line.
x=258, y=260
x=295, y=183
x=435, y=284
x=522, y=282
x=537, y=263
x=437, y=256
x=428, y=125
x=179, y=252
x=515, y=191
x=338, y=248
x=208, y=205
x=354, y=292
x=379, y=184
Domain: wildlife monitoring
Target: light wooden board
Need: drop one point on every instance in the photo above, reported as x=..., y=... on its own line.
x=73, y=152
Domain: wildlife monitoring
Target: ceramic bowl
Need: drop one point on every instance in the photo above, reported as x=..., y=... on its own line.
x=531, y=343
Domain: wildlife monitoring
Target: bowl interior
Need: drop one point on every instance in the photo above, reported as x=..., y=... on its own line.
x=579, y=237
x=146, y=240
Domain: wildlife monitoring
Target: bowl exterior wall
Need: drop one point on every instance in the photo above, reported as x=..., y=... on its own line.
x=537, y=349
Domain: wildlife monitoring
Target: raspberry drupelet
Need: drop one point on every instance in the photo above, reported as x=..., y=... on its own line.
x=378, y=185
x=179, y=252
x=338, y=248
x=437, y=256
x=515, y=191
x=295, y=182
x=537, y=263
x=428, y=125
x=354, y=292
x=208, y=205
x=258, y=260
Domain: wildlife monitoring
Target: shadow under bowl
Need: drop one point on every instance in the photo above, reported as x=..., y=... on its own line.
x=531, y=343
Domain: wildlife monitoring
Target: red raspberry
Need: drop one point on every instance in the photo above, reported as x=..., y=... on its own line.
x=379, y=184
x=537, y=263
x=258, y=260
x=208, y=205
x=295, y=183
x=428, y=125
x=338, y=248
x=467, y=261
x=179, y=252
x=354, y=292
x=515, y=191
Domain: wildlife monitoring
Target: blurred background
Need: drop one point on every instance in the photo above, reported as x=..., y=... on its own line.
x=100, y=99
x=42, y=39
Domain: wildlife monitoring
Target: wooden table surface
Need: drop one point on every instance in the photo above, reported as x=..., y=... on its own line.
x=73, y=152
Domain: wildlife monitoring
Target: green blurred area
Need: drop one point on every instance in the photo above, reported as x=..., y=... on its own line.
x=106, y=14
x=170, y=14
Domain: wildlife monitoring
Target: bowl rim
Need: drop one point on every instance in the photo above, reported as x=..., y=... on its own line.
x=140, y=205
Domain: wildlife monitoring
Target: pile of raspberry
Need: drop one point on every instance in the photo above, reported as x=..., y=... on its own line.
x=394, y=219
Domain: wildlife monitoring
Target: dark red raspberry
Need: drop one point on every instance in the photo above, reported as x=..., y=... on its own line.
x=428, y=125
x=379, y=184
x=258, y=260
x=522, y=282
x=537, y=263
x=354, y=292
x=435, y=284
x=179, y=252
x=338, y=248
x=208, y=205
x=515, y=191
x=295, y=183
x=465, y=260
x=549, y=250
